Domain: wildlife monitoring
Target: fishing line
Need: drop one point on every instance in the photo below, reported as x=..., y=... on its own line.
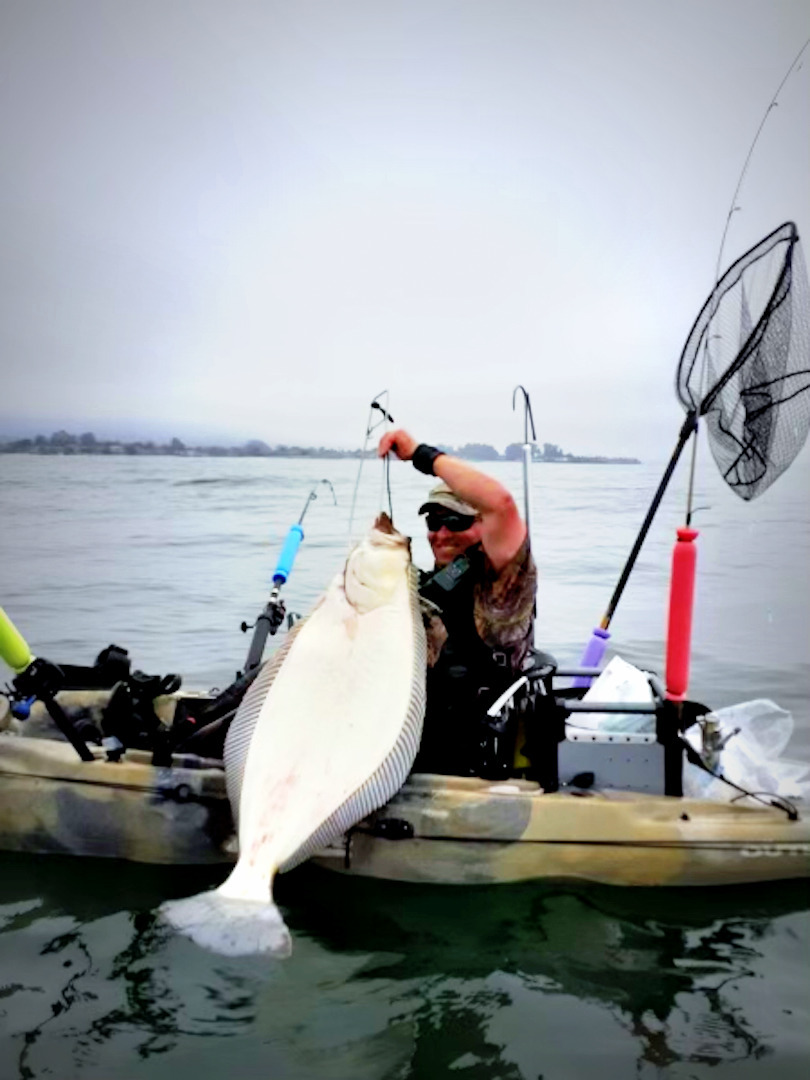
x=385, y=479
x=387, y=471
x=371, y=426
x=733, y=208
x=772, y=105
x=387, y=418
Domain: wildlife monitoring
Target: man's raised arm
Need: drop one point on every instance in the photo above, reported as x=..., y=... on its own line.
x=502, y=528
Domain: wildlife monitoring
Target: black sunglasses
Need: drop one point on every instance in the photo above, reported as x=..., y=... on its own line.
x=454, y=522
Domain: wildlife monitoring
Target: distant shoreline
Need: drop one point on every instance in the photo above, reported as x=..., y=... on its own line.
x=62, y=443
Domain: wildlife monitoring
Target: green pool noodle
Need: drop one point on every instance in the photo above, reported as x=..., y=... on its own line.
x=13, y=647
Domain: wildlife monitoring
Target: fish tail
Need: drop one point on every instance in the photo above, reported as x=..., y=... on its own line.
x=230, y=925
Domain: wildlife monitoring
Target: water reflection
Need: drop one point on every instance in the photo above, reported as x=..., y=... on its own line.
x=679, y=973
x=398, y=981
x=89, y=983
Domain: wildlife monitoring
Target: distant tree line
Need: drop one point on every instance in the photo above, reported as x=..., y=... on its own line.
x=63, y=442
x=549, y=452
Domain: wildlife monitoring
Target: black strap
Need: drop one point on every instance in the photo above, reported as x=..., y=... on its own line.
x=423, y=458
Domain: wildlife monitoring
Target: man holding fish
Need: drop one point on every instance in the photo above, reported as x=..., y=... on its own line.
x=481, y=600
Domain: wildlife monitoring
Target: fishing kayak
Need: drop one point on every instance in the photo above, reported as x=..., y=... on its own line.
x=437, y=828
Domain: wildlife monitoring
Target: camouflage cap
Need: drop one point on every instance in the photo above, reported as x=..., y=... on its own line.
x=443, y=495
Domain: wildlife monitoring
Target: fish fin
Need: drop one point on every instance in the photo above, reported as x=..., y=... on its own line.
x=240, y=733
x=228, y=925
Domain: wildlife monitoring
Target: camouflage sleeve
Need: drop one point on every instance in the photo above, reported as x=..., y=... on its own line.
x=504, y=604
x=435, y=637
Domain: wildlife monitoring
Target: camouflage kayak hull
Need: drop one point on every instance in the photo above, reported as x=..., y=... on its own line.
x=53, y=803
x=466, y=831
x=440, y=829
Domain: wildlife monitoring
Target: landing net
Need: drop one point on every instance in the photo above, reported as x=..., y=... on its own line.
x=746, y=364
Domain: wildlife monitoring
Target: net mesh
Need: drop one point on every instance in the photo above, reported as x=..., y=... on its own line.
x=746, y=364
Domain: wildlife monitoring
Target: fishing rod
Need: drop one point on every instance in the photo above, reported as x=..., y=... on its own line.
x=37, y=678
x=271, y=618
x=528, y=454
x=224, y=705
x=600, y=635
x=727, y=408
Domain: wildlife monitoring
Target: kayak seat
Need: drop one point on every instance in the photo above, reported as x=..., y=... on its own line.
x=506, y=729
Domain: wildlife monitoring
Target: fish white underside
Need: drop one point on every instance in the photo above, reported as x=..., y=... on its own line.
x=333, y=713
x=327, y=733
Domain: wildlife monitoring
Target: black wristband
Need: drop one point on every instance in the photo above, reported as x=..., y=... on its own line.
x=424, y=457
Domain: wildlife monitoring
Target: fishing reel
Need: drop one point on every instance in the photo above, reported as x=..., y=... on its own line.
x=130, y=720
x=41, y=679
x=273, y=615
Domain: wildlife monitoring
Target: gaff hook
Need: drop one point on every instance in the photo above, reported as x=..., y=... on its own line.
x=314, y=495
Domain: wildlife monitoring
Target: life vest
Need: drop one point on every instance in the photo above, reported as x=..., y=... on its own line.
x=467, y=676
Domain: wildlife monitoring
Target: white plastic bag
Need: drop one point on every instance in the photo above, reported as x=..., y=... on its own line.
x=619, y=681
x=751, y=758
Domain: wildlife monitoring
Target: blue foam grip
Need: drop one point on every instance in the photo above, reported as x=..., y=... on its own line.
x=288, y=553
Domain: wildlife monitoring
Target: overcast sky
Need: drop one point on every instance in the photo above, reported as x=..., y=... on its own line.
x=238, y=218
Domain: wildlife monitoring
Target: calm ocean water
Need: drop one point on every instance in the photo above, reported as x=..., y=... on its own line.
x=166, y=556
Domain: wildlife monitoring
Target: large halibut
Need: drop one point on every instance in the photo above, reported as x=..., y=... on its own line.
x=327, y=733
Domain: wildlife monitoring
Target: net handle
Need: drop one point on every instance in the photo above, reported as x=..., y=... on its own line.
x=689, y=426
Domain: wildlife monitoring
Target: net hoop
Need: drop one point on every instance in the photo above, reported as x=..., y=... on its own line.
x=786, y=233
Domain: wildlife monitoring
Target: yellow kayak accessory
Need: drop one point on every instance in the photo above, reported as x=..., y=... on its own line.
x=13, y=647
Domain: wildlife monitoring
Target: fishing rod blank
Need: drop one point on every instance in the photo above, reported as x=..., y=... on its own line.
x=294, y=537
x=600, y=635
x=272, y=617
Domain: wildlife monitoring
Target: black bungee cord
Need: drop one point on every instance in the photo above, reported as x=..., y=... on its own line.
x=767, y=798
